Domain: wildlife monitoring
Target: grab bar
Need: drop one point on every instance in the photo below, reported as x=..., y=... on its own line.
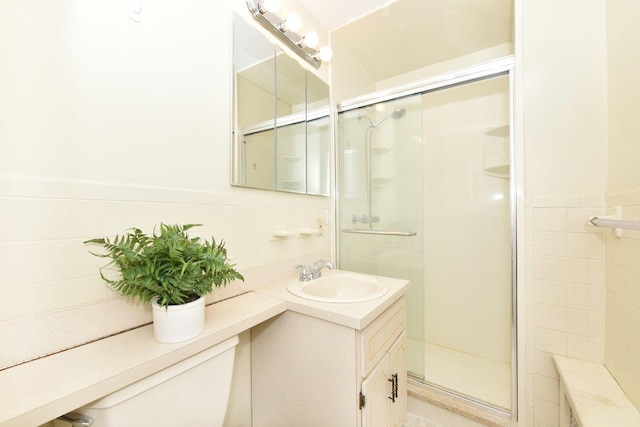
x=614, y=223
x=379, y=232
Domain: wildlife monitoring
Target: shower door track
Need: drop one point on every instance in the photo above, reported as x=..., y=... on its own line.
x=441, y=81
x=495, y=410
x=482, y=71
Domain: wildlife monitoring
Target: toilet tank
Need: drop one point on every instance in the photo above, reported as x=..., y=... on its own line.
x=193, y=392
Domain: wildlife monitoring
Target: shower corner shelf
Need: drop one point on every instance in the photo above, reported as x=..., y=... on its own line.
x=496, y=152
x=501, y=131
x=499, y=171
x=290, y=185
x=381, y=149
x=381, y=182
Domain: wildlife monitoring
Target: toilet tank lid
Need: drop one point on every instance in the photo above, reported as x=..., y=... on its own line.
x=153, y=380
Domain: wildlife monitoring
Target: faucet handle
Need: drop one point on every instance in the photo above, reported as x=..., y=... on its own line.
x=304, y=273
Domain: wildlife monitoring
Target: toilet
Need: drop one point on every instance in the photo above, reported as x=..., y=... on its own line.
x=193, y=392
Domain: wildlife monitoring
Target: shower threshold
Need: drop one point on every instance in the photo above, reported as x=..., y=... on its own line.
x=456, y=403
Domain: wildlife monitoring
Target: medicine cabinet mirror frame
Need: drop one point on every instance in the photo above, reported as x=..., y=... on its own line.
x=281, y=133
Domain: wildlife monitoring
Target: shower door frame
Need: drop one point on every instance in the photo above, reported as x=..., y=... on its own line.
x=487, y=70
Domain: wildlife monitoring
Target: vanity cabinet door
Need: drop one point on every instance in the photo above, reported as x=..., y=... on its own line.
x=376, y=389
x=385, y=389
x=398, y=362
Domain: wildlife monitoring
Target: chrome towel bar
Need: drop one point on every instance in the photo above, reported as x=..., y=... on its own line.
x=379, y=232
x=614, y=223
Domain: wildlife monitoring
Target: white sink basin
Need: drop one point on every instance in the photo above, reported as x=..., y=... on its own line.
x=339, y=287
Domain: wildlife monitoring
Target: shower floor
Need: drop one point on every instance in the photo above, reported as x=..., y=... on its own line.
x=414, y=420
x=476, y=377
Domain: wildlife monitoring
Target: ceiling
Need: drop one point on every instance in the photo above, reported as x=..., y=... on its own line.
x=335, y=13
x=392, y=38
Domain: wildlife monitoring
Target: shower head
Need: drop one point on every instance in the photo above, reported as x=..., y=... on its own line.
x=400, y=112
x=395, y=114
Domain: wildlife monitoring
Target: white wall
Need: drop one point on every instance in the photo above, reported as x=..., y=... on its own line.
x=622, y=268
x=107, y=124
x=562, y=70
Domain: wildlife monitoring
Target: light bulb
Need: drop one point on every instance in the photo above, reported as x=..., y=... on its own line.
x=325, y=53
x=293, y=22
x=272, y=6
x=311, y=39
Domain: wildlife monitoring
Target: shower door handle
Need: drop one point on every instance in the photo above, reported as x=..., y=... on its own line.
x=379, y=232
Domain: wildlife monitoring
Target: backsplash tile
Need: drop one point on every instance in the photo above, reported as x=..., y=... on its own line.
x=46, y=267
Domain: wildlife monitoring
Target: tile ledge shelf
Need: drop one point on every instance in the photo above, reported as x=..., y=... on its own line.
x=594, y=397
x=62, y=382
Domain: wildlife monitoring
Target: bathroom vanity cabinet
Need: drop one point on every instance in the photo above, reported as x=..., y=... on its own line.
x=309, y=371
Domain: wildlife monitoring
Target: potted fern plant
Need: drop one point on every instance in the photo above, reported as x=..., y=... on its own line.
x=172, y=271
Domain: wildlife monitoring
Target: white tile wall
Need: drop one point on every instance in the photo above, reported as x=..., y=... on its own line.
x=565, y=305
x=622, y=323
x=46, y=267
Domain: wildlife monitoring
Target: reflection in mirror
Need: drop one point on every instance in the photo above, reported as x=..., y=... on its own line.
x=318, y=136
x=253, y=61
x=254, y=75
x=290, y=86
x=259, y=163
x=290, y=122
x=317, y=93
x=291, y=162
x=318, y=156
x=275, y=99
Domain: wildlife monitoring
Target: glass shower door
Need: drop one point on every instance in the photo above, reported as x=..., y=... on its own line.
x=380, y=202
x=424, y=194
x=467, y=240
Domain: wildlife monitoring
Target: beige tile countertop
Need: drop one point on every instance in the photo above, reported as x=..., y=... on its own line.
x=40, y=390
x=596, y=398
x=353, y=315
x=36, y=392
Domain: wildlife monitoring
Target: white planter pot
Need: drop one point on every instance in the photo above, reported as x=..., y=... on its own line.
x=177, y=323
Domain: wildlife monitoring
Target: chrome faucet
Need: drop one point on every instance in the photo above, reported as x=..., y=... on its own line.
x=309, y=273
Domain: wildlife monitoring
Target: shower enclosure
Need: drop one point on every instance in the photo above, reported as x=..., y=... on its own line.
x=425, y=193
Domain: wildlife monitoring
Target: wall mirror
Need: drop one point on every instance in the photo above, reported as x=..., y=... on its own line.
x=281, y=138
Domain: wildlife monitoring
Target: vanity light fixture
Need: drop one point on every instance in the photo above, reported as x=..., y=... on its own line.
x=325, y=53
x=310, y=39
x=286, y=30
x=292, y=22
x=271, y=6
